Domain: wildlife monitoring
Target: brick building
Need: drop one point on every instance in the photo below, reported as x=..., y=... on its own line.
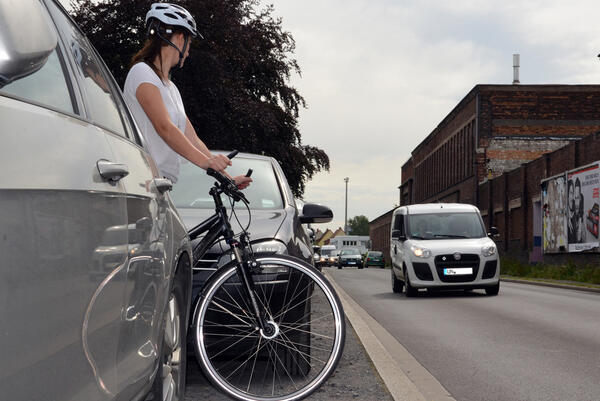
x=494, y=149
x=494, y=129
x=379, y=232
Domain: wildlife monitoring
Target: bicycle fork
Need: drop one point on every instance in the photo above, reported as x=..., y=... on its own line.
x=268, y=328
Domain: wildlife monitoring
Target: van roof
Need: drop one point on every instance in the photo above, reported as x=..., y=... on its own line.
x=437, y=208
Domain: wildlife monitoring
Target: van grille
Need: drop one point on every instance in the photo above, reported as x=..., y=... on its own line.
x=447, y=261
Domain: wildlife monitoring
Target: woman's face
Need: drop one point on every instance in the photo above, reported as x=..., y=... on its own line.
x=179, y=41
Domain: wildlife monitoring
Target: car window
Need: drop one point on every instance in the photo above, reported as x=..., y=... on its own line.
x=375, y=254
x=47, y=86
x=350, y=252
x=446, y=225
x=101, y=103
x=191, y=190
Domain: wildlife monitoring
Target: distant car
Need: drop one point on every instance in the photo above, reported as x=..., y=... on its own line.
x=276, y=224
x=374, y=258
x=350, y=257
x=328, y=256
x=96, y=263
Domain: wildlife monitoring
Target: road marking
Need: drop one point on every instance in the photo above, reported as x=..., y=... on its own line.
x=405, y=378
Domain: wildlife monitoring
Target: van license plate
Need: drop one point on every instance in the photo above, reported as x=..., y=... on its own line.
x=458, y=271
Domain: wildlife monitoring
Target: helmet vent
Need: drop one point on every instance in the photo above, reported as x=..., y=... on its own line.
x=160, y=8
x=171, y=15
x=182, y=15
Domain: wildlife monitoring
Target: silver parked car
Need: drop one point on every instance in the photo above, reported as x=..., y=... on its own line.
x=95, y=272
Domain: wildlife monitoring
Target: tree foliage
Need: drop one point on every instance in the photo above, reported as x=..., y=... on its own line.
x=358, y=225
x=235, y=84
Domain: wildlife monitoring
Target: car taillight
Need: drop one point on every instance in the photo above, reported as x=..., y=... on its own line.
x=368, y=259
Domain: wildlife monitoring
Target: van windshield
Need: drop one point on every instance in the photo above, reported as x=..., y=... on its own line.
x=445, y=225
x=327, y=252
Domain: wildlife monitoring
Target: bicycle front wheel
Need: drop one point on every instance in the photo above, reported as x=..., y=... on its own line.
x=301, y=347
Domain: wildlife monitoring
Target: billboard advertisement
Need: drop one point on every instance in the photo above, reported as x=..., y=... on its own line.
x=554, y=211
x=583, y=198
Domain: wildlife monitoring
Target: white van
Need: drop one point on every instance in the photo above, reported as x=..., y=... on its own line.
x=442, y=246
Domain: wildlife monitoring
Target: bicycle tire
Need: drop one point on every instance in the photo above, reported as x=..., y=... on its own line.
x=246, y=365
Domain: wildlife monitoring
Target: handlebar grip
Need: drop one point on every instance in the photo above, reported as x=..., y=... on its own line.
x=249, y=173
x=232, y=154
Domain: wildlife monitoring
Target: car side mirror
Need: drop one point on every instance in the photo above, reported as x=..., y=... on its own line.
x=397, y=235
x=313, y=213
x=494, y=233
x=25, y=49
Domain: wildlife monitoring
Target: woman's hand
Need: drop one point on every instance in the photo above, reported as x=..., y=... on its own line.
x=242, y=182
x=218, y=162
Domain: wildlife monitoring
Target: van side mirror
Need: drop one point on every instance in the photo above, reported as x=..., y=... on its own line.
x=24, y=49
x=313, y=213
x=494, y=233
x=397, y=235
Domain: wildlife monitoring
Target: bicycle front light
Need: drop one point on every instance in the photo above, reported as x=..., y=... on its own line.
x=420, y=252
x=270, y=247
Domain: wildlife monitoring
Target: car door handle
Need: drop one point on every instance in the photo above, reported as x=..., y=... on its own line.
x=163, y=184
x=110, y=171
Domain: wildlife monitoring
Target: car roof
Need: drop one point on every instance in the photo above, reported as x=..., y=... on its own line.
x=437, y=208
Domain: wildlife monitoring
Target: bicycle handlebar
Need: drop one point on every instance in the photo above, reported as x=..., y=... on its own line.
x=227, y=185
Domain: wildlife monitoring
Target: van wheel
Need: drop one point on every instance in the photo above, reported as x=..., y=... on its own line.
x=493, y=290
x=397, y=285
x=410, y=290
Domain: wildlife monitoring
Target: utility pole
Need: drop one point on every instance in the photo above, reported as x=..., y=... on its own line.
x=346, y=213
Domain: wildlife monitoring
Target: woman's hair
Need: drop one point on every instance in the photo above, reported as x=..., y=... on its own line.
x=152, y=47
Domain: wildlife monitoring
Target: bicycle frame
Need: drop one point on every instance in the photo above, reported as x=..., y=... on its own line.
x=218, y=226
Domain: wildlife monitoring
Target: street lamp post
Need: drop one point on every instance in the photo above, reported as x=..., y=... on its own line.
x=346, y=213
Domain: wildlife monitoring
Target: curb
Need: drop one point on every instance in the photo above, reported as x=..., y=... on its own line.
x=550, y=284
x=405, y=378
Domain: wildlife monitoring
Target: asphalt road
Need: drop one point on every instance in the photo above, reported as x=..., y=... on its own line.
x=527, y=343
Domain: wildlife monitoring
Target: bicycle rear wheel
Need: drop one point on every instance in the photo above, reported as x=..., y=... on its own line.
x=287, y=364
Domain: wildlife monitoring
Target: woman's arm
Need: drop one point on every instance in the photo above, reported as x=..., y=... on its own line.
x=151, y=101
x=241, y=181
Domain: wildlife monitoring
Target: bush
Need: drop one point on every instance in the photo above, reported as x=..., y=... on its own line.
x=589, y=273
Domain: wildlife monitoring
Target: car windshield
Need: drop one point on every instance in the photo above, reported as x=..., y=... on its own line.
x=350, y=252
x=445, y=225
x=327, y=252
x=191, y=190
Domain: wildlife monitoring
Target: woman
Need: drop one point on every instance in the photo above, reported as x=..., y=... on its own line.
x=155, y=101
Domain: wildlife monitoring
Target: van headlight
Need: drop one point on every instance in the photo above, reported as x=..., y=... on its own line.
x=488, y=250
x=269, y=247
x=420, y=252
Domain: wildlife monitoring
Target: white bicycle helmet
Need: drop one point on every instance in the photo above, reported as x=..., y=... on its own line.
x=174, y=15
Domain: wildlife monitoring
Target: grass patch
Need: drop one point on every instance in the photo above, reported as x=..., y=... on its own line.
x=588, y=273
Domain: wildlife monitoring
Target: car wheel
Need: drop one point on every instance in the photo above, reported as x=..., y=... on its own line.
x=169, y=383
x=397, y=285
x=493, y=290
x=410, y=290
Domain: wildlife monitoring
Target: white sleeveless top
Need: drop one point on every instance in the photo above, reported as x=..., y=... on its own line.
x=166, y=158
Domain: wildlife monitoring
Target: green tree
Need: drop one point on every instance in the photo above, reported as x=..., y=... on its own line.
x=235, y=84
x=358, y=225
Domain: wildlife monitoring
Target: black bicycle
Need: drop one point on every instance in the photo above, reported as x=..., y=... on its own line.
x=267, y=327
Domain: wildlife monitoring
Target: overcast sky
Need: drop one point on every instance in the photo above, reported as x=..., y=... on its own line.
x=379, y=75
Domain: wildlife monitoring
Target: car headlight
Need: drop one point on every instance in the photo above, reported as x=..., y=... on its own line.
x=420, y=252
x=488, y=250
x=269, y=247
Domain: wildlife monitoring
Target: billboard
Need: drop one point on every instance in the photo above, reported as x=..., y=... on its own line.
x=554, y=211
x=583, y=197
